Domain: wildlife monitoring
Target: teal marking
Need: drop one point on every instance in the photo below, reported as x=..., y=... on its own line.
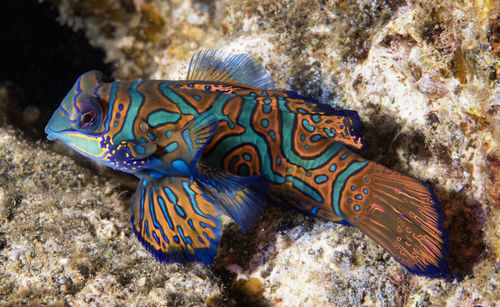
x=115, y=123
x=349, y=201
x=162, y=117
x=272, y=135
x=168, y=134
x=185, y=239
x=146, y=226
x=180, y=166
x=353, y=188
x=136, y=100
x=365, y=191
x=302, y=137
x=316, y=118
x=333, y=167
x=176, y=99
x=307, y=125
x=190, y=223
x=171, y=196
x=304, y=188
x=278, y=160
x=266, y=109
x=191, y=194
x=247, y=157
x=315, y=137
x=140, y=149
x=153, y=215
x=172, y=147
x=111, y=101
x=357, y=208
x=358, y=196
x=165, y=213
x=329, y=133
x=292, y=157
x=343, y=156
x=264, y=123
x=320, y=179
x=187, y=140
x=340, y=182
x=219, y=105
x=226, y=145
x=279, y=179
x=367, y=179
x=267, y=100
x=306, y=147
x=180, y=211
x=196, y=97
x=151, y=136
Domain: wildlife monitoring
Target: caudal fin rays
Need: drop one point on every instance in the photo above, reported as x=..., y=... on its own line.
x=404, y=216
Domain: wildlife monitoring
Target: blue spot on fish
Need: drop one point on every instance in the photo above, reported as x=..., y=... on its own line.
x=140, y=149
x=180, y=166
x=172, y=147
x=320, y=179
x=307, y=125
x=315, y=137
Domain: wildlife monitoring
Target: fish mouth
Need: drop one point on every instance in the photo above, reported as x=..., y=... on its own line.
x=50, y=133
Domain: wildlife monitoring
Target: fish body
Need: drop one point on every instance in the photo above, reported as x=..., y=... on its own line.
x=226, y=141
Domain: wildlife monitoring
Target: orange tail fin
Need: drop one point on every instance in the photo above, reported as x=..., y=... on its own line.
x=400, y=213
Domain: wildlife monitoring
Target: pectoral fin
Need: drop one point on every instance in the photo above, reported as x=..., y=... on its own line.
x=198, y=132
x=241, y=198
x=174, y=220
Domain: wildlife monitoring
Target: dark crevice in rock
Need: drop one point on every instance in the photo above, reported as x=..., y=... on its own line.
x=41, y=60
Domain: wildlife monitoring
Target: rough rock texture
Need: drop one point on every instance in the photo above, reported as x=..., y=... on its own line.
x=424, y=79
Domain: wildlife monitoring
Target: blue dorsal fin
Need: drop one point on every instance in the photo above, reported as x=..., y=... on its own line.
x=219, y=66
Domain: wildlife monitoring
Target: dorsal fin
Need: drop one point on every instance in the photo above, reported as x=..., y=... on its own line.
x=219, y=66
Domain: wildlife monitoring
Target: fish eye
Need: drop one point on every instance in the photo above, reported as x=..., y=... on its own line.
x=87, y=115
x=87, y=119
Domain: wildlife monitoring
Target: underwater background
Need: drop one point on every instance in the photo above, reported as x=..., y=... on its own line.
x=423, y=77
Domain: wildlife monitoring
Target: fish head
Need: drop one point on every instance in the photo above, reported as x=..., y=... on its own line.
x=79, y=120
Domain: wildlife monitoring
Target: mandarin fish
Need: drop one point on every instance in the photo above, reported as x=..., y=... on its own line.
x=226, y=141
